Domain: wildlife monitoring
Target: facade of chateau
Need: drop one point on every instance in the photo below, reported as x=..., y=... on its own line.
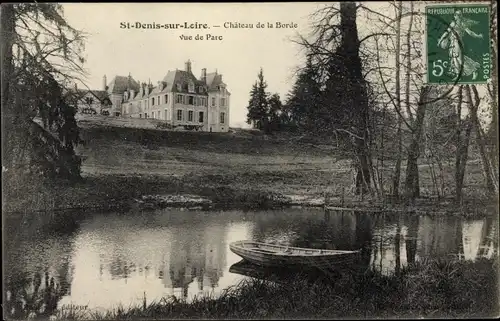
x=180, y=99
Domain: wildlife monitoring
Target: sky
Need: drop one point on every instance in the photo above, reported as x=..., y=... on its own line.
x=150, y=54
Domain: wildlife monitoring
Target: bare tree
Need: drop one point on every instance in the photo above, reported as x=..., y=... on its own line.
x=462, y=143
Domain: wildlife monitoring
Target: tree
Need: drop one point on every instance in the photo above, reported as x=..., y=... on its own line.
x=41, y=55
x=347, y=87
x=275, y=111
x=258, y=105
x=304, y=98
x=349, y=52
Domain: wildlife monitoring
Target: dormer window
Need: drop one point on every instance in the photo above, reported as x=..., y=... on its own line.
x=191, y=87
x=179, y=87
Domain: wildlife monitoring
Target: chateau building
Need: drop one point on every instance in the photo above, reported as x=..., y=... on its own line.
x=180, y=99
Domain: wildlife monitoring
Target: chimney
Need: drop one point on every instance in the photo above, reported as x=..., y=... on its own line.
x=104, y=83
x=129, y=81
x=188, y=66
x=204, y=75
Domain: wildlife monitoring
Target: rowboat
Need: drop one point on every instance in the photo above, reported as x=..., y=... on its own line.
x=273, y=255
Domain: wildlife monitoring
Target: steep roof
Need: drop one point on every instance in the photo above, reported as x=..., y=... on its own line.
x=183, y=78
x=120, y=84
x=101, y=95
x=214, y=79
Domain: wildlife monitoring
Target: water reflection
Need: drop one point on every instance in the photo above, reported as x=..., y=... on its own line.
x=115, y=260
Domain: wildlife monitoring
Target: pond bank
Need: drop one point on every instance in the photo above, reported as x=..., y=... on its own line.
x=427, y=289
x=123, y=193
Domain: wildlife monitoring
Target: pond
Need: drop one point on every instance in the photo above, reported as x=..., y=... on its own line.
x=107, y=260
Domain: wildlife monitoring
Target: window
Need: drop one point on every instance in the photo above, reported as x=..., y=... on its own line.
x=190, y=100
x=179, y=87
x=200, y=117
x=179, y=99
x=223, y=102
x=152, y=101
x=89, y=100
x=213, y=101
x=179, y=114
x=166, y=115
x=140, y=115
x=145, y=115
x=159, y=102
x=166, y=99
x=153, y=115
x=222, y=117
x=190, y=115
x=191, y=87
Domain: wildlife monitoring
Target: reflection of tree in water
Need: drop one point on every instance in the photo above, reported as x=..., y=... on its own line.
x=37, y=295
x=315, y=229
x=328, y=229
x=439, y=237
x=489, y=238
x=38, y=271
x=486, y=244
x=411, y=239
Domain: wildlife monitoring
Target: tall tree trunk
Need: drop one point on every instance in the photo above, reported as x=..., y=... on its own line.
x=397, y=248
x=491, y=182
x=462, y=146
x=487, y=166
x=7, y=40
x=412, y=185
x=349, y=51
x=397, y=170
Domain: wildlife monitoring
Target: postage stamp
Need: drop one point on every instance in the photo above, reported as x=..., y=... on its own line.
x=458, y=43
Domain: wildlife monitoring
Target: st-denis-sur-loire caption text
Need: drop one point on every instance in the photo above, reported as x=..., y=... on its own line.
x=203, y=26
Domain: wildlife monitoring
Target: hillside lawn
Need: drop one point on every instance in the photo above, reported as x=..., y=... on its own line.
x=124, y=159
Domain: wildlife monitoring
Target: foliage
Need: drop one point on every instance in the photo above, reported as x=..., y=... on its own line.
x=43, y=54
x=258, y=106
x=303, y=100
x=265, y=110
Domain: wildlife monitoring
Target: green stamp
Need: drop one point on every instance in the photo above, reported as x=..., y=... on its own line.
x=458, y=44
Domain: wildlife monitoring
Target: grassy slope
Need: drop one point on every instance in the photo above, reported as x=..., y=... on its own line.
x=122, y=162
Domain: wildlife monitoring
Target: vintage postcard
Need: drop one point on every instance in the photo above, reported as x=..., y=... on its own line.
x=326, y=160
